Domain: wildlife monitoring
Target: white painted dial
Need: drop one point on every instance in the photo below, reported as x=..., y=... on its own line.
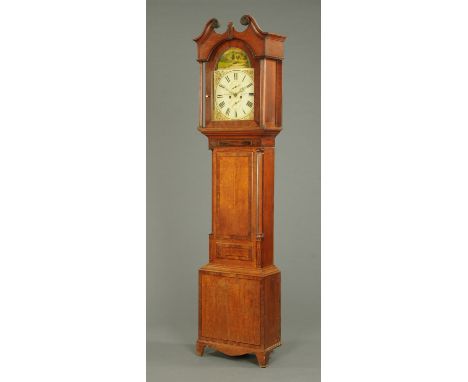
x=234, y=94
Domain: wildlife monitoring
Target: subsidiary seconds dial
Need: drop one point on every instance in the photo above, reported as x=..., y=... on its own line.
x=234, y=94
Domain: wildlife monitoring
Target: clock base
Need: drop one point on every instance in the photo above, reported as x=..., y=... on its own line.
x=239, y=310
x=236, y=350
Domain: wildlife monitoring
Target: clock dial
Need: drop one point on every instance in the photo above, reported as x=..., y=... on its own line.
x=234, y=94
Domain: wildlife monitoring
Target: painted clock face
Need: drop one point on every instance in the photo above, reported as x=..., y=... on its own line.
x=234, y=94
x=233, y=89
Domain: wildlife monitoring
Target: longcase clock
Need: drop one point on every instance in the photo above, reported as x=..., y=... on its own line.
x=240, y=112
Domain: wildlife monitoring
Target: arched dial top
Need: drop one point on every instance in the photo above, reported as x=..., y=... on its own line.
x=233, y=58
x=233, y=87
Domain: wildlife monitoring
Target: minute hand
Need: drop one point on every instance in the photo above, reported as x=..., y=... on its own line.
x=221, y=86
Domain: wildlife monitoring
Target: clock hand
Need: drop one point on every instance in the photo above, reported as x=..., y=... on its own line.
x=243, y=88
x=221, y=86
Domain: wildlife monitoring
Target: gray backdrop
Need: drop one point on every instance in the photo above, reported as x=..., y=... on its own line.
x=179, y=191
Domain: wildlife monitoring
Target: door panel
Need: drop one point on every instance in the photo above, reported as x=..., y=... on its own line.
x=233, y=190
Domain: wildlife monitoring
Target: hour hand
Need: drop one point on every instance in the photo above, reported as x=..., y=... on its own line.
x=243, y=88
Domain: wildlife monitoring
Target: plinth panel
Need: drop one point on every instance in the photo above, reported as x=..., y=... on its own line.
x=272, y=293
x=230, y=308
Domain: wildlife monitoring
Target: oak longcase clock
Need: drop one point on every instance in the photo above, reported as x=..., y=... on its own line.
x=240, y=112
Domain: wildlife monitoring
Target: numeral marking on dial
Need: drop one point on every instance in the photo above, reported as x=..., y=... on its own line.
x=235, y=76
x=249, y=85
x=220, y=95
x=221, y=105
x=249, y=104
x=227, y=79
x=228, y=111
